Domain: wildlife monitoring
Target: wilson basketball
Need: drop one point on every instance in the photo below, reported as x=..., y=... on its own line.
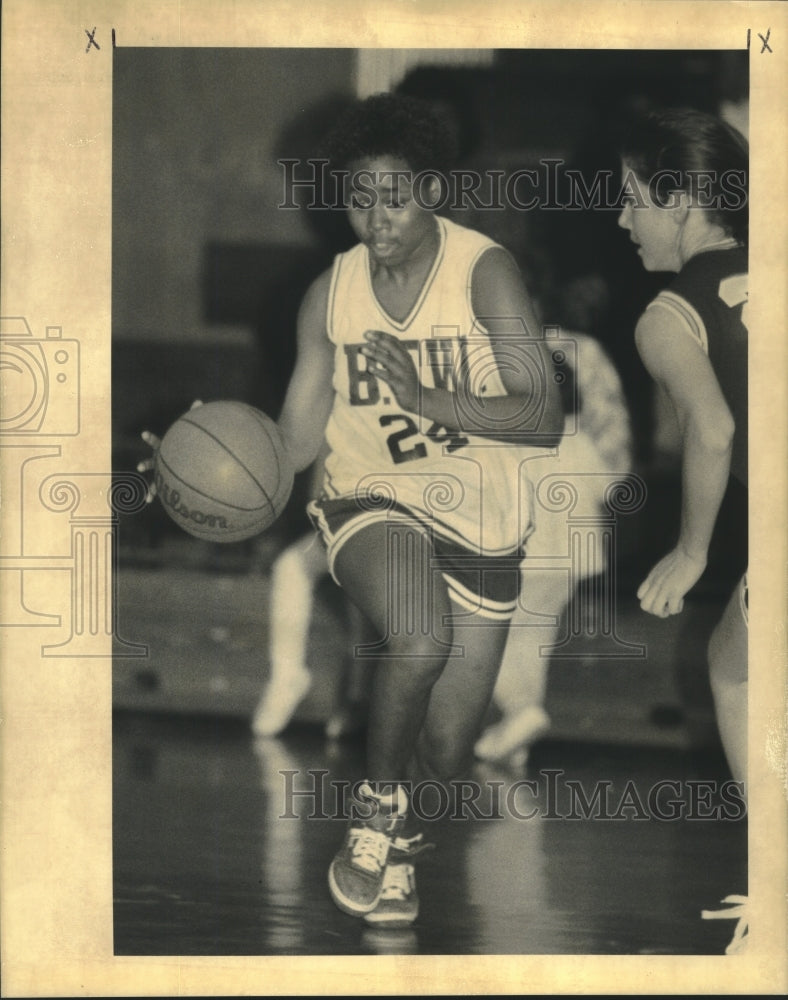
x=222, y=472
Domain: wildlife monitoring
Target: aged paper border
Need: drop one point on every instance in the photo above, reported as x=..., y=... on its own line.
x=56, y=722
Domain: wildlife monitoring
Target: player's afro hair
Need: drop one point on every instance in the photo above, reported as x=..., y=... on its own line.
x=392, y=125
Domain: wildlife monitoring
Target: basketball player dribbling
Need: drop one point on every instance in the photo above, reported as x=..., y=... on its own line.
x=421, y=363
x=688, y=214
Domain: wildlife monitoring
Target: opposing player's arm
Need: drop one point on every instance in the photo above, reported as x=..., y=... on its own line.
x=679, y=364
x=310, y=392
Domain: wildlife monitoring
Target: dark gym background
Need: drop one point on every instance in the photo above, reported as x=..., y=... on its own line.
x=207, y=276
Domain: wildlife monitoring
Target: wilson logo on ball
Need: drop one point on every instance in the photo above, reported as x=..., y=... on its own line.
x=172, y=499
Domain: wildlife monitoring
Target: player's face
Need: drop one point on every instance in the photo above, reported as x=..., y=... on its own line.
x=652, y=227
x=387, y=211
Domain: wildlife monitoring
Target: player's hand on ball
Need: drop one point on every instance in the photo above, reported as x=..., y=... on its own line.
x=149, y=464
x=221, y=471
x=662, y=592
x=391, y=361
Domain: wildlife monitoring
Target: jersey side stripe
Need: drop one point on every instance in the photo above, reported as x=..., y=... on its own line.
x=689, y=318
x=332, y=294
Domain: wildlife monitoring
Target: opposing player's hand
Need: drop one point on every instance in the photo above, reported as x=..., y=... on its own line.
x=149, y=464
x=391, y=361
x=662, y=592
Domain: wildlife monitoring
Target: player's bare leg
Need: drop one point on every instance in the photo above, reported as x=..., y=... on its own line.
x=457, y=705
x=728, y=674
x=460, y=698
x=350, y=715
x=388, y=571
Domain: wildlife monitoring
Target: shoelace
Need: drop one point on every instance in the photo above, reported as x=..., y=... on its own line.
x=398, y=882
x=369, y=849
x=737, y=910
x=409, y=847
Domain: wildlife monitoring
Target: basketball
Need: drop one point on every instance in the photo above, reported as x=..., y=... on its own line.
x=222, y=472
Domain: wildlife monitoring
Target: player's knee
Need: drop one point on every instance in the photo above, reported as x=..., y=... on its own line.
x=424, y=655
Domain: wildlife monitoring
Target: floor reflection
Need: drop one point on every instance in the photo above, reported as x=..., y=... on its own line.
x=214, y=855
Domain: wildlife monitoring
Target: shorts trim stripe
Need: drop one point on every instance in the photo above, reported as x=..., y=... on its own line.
x=432, y=524
x=481, y=584
x=496, y=610
x=335, y=540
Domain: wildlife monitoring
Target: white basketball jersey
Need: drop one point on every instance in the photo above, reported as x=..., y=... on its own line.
x=471, y=489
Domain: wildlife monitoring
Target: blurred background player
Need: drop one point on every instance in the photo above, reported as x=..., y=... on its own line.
x=295, y=576
x=597, y=442
x=415, y=350
x=688, y=213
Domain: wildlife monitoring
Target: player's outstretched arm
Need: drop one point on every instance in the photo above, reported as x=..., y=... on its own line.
x=677, y=362
x=310, y=393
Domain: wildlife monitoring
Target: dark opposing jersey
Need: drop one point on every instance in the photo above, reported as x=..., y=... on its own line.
x=709, y=298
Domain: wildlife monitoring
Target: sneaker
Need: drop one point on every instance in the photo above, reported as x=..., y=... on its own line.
x=512, y=733
x=737, y=910
x=355, y=876
x=398, y=905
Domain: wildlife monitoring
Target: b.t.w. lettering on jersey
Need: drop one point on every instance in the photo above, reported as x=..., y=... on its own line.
x=443, y=360
x=442, y=363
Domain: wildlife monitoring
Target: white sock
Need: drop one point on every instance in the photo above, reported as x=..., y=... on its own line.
x=395, y=800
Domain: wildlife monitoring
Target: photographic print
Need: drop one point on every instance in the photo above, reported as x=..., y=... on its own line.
x=378, y=426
